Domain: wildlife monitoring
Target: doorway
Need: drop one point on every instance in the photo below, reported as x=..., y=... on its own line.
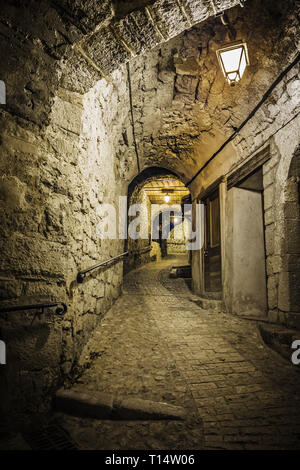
x=212, y=246
x=246, y=261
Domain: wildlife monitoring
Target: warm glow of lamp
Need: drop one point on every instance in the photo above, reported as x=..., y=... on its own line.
x=167, y=198
x=233, y=59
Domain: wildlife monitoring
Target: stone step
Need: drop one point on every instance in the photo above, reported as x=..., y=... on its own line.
x=210, y=304
x=99, y=405
x=181, y=271
x=279, y=338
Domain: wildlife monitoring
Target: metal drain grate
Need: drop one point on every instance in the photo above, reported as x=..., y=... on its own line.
x=50, y=437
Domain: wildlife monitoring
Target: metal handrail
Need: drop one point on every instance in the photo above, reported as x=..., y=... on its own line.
x=81, y=274
x=60, y=310
x=15, y=308
x=142, y=250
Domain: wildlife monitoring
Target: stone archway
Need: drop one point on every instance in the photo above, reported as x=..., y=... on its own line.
x=148, y=189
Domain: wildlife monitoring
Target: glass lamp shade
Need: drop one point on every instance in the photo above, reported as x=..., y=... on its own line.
x=233, y=59
x=167, y=198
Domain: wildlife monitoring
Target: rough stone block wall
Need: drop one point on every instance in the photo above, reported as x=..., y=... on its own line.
x=176, y=243
x=278, y=127
x=174, y=247
x=52, y=183
x=282, y=242
x=272, y=265
x=138, y=249
x=289, y=277
x=84, y=127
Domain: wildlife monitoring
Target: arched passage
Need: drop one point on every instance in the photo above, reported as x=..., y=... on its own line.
x=161, y=195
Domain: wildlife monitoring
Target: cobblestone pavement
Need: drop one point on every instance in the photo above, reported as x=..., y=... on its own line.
x=156, y=343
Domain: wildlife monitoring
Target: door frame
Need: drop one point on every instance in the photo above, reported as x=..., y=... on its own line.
x=211, y=250
x=220, y=185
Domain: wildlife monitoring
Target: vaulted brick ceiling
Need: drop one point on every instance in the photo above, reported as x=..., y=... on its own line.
x=156, y=189
x=183, y=106
x=115, y=31
x=43, y=40
x=183, y=109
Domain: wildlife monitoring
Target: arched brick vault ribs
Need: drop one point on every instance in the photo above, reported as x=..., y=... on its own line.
x=183, y=110
x=86, y=39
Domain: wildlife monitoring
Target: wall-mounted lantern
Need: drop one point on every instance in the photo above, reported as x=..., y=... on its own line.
x=233, y=59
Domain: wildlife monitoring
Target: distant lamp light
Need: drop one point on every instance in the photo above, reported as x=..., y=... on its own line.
x=167, y=198
x=233, y=59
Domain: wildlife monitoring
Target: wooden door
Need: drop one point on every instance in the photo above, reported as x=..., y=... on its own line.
x=212, y=246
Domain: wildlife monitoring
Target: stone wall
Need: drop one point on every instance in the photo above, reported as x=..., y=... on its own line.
x=289, y=280
x=52, y=182
x=176, y=242
x=283, y=137
x=276, y=125
x=139, y=249
x=282, y=231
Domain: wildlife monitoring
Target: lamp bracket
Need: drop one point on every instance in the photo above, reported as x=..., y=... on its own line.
x=224, y=18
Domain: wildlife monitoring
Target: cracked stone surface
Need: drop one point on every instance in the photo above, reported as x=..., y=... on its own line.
x=156, y=343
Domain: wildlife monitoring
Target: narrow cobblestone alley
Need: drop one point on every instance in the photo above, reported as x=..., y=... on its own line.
x=156, y=343
x=150, y=226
